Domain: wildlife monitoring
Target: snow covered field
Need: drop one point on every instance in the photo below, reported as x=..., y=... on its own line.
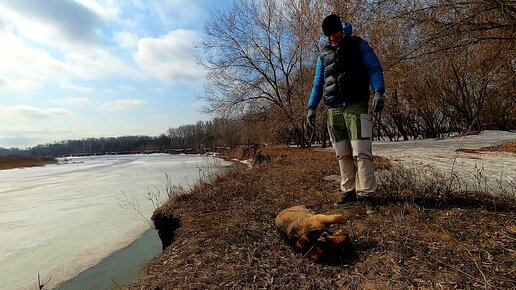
x=497, y=169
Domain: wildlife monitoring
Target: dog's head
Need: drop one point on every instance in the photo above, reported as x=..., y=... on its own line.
x=325, y=244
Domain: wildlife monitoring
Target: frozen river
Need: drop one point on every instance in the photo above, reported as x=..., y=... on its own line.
x=59, y=220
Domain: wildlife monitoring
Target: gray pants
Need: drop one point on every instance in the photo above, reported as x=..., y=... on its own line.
x=350, y=130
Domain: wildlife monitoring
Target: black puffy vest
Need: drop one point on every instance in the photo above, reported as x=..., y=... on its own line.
x=345, y=76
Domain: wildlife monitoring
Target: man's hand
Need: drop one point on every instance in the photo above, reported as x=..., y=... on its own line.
x=310, y=117
x=378, y=102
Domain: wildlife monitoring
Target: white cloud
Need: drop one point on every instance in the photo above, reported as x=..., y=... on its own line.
x=171, y=58
x=21, y=111
x=122, y=104
x=72, y=101
x=29, y=68
x=22, y=62
x=99, y=64
x=19, y=87
x=54, y=22
x=31, y=28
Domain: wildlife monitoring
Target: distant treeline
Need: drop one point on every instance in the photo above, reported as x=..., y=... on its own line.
x=110, y=145
x=193, y=138
x=89, y=146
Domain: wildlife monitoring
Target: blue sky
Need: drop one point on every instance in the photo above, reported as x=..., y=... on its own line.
x=93, y=68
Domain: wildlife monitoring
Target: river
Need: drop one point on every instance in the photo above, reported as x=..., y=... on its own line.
x=59, y=220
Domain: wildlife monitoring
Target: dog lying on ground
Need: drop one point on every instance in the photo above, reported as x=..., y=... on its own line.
x=310, y=233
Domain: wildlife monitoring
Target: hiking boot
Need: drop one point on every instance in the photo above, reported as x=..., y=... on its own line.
x=348, y=197
x=370, y=205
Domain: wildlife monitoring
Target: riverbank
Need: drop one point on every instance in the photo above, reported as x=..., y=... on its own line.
x=424, y=236
x=10, y=162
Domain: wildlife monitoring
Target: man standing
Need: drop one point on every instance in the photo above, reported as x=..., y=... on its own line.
x=346, y=68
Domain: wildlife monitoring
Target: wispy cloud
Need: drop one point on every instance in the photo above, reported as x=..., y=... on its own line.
x=125, y=40
x=175, y=12
x=105, y=9
x=170, y=58
x=75, y=88
x=20, y=111
x=123, y=104
x=99, y=64
x=23, y=62
x=72, y=101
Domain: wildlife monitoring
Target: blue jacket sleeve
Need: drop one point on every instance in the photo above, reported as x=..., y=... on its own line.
x=373, y=65
x=317, y=89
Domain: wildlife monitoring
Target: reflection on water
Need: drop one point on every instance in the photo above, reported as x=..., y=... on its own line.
x=59, y=220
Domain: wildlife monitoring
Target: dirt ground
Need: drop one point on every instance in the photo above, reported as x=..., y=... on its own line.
x=422, y=237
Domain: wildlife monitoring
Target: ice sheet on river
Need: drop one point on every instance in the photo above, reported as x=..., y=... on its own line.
x=61, y=219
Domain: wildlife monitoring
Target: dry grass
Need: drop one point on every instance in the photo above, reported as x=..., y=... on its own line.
x=10, y=162
x=467, y=133
x=506, y=147
x=227, y=238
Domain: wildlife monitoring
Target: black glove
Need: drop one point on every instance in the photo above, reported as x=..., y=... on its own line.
x=378, y=102
x=310, y=117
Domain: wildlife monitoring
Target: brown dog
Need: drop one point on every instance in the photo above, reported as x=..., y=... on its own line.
x=310, y=233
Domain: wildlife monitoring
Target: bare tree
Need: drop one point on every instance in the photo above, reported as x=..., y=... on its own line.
x=451, y=61
x=253, y=63
x=449, y=64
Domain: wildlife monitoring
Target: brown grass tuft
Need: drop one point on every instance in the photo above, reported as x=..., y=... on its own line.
x=10, y=162
x=227, y=238
x=506, y=147
x=467, y=133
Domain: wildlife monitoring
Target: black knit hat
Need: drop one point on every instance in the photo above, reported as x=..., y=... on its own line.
x=331, y=24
